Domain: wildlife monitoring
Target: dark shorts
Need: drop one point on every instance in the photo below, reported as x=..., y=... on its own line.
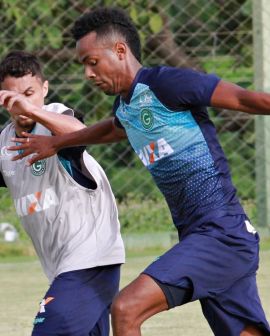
x=219, y=270
x=78, y=302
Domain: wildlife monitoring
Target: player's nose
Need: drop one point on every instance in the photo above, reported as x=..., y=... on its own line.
x=89, y=73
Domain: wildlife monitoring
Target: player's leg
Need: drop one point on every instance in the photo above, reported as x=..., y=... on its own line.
x=141, y=299
x=76, y=301
x=102, y=326
x=251, y=331
x=237, y=311
x=178, y=270
x=138, y=301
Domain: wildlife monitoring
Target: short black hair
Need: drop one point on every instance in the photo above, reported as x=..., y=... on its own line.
x=107, y=20
x=18, y=64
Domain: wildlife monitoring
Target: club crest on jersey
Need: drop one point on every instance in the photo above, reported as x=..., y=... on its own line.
x=154, y=151
x=38, y=168
x=147, y=119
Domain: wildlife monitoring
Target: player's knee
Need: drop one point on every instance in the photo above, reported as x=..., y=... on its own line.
x=251, y=331
x=121, y=310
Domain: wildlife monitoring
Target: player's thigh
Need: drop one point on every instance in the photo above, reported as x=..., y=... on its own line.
x=204, y=263
x=252, y=331
x=239, y=307
x=75, y=302
x=102, y=326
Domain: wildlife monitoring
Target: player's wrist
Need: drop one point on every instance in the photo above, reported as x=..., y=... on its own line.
x=58, y=142
x=33, y=112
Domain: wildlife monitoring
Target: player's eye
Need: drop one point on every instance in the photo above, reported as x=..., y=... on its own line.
x=92, y=62
x=28, y=93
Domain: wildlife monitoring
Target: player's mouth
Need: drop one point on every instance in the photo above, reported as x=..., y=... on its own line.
x=101, y=85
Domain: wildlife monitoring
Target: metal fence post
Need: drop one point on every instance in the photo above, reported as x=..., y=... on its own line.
x=261, y=44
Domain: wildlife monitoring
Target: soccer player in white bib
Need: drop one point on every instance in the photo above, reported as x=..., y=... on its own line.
x=66, y=206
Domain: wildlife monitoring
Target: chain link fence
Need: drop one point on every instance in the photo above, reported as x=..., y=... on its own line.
x=209, y=35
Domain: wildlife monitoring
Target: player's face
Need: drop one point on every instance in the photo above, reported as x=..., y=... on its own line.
x=103, y=63
x=32, y=88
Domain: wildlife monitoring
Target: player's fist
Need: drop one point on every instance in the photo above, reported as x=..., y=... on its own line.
x=16, y=104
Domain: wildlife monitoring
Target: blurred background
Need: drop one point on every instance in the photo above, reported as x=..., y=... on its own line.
x=226, y=37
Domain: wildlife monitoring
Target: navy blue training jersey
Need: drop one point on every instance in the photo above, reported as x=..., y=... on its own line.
x=167, y=124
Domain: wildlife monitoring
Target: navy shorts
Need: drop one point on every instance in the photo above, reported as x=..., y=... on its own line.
x=78, y=302
x=218, y=267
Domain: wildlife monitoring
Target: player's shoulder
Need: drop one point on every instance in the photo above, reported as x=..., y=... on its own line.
x=159, y=75
x=6, y=133
x=6, y=129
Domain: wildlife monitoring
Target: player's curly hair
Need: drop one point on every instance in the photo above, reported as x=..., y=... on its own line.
x=105, y=21
x=18, y=64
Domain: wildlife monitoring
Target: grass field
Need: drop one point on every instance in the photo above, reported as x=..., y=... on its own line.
x=23, y=285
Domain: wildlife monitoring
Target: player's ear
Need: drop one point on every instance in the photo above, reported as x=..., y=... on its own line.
x=121, y=50
x=45, y=88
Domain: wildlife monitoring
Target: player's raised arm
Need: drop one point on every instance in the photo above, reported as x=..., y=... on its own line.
x=104, y=131
x=19, y=106
x=233, y=97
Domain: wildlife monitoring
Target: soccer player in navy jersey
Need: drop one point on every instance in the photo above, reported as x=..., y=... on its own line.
x=163, y=112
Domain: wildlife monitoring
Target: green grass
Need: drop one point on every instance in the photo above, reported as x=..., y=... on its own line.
x=265, y=244
x=23, y=285
x=22, y=248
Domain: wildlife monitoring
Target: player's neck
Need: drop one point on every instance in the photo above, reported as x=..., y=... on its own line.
x=20, y=129
x=130, y=75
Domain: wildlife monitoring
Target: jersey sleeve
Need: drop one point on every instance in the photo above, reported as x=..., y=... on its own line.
x=116, y=103
x=117, y=123
x=180, y=88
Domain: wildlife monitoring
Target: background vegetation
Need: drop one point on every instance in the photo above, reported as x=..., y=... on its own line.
x=213, y=36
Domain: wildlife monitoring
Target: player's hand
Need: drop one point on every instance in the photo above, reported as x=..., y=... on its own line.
x=41, y=146
x=16, y=104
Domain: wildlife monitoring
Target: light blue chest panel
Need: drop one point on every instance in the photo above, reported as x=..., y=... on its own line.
x=172, y=147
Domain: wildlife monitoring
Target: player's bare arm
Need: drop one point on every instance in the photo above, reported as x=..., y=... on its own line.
x=18, y=105
x=233, y=97
x=104, y=131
